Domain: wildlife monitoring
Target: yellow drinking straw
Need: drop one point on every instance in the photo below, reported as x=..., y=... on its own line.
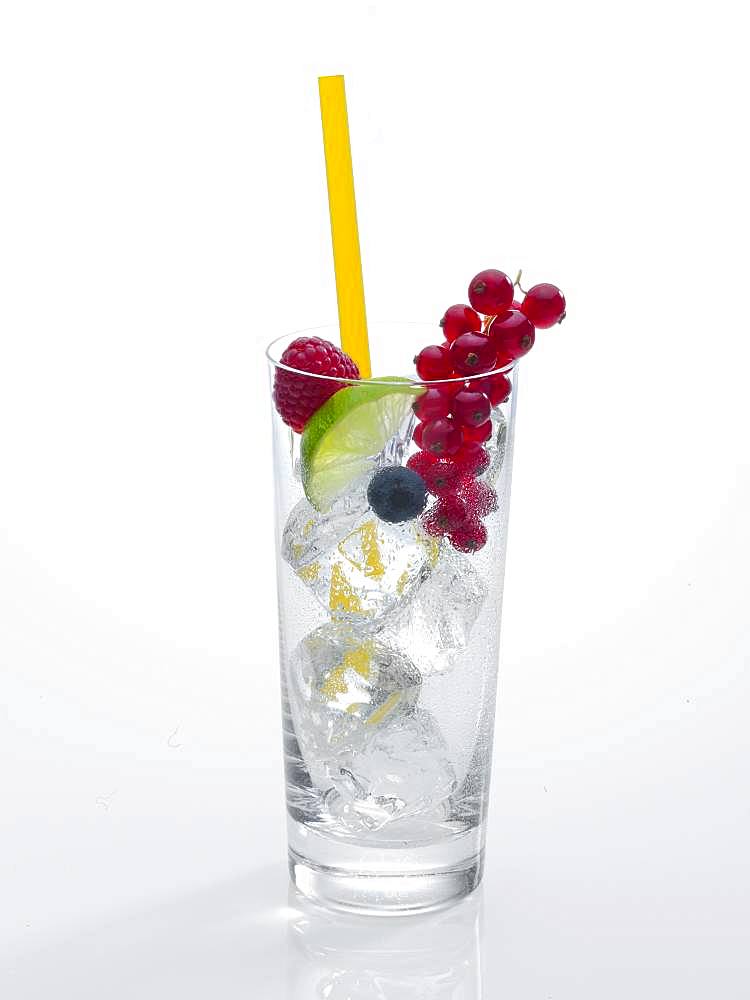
x=347, y=262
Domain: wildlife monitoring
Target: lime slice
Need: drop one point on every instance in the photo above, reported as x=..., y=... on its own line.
x=343, y=438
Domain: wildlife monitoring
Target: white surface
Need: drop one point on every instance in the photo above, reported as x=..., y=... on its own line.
x=163, y=215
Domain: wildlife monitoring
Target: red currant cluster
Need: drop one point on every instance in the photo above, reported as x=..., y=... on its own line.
x=455, y=418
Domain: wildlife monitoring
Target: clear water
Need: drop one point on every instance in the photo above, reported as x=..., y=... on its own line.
x=382, y=734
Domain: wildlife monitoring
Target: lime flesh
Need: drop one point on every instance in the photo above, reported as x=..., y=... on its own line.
x=343, y=438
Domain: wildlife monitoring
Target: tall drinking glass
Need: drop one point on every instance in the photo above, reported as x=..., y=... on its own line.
x=389, y=641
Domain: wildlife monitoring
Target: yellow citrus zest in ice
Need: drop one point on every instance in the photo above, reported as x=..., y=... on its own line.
x=430, y=545
x=385, y=709
x=341, y=596
x=373, y=563
x=310, y=572
x=402, y=582
x=358, y=659
x=366, y=544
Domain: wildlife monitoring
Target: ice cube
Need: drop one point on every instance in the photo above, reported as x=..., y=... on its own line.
x=343, y=687
x=359, y=568
x=401, y=770
x=496, y=446
x=309, y=535
x=439, y=621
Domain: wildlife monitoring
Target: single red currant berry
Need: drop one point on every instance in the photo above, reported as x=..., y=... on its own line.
x=471, y=459
x=434, y=362
x=442, y=437
x=442, y=478
x=478, y=434
x=491, y=292
x=544, y=305
x=471, y=408
x=446, y=515
x=458, y=320
x=497, y=387
x=469, y=537
x=451, y=388
x=512, y=333
x=480, y=499
x=433, y=403
x=417, y=435
x=420, y=461
x=473, y=353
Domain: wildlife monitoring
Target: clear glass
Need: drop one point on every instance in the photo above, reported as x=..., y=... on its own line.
x=389, y=653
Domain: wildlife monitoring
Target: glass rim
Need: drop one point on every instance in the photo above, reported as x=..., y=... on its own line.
x=415, y=382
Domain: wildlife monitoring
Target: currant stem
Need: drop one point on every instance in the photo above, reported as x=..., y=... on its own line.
x=517, y=283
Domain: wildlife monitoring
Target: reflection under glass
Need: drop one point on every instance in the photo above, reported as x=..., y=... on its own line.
x=342, y=956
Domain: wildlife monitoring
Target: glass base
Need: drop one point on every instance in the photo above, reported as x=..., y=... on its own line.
x=376, y=880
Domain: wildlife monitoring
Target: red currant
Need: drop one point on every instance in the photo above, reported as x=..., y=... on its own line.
x=544, y=305
x=434, y=362
x=459, y=319
x=497, y=387
x=442, y=478
x=469, y=537
x=431, y=404
x=442, y=437
x=446, y=515
x=451, y=388
x=471, y=408
x=478, y=434
x=512, y=333
x=473, y=353
x=471, y=459
x=479, y=498
x=491, y=292
x=417, y=435
x=420, y=462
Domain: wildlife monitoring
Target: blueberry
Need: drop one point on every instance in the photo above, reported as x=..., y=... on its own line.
x=397, y=494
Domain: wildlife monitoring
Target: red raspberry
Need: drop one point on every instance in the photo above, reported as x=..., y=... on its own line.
x=469, y=537
x=491, y=292
x=442, y=478
x=458, y=320
x=296, y=396
x=480, y=499
x=471, y=459
x=420, y=462
x=433, y=403
x=448, y=514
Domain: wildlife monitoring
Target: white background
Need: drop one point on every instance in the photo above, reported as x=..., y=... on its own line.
x=162, y=216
